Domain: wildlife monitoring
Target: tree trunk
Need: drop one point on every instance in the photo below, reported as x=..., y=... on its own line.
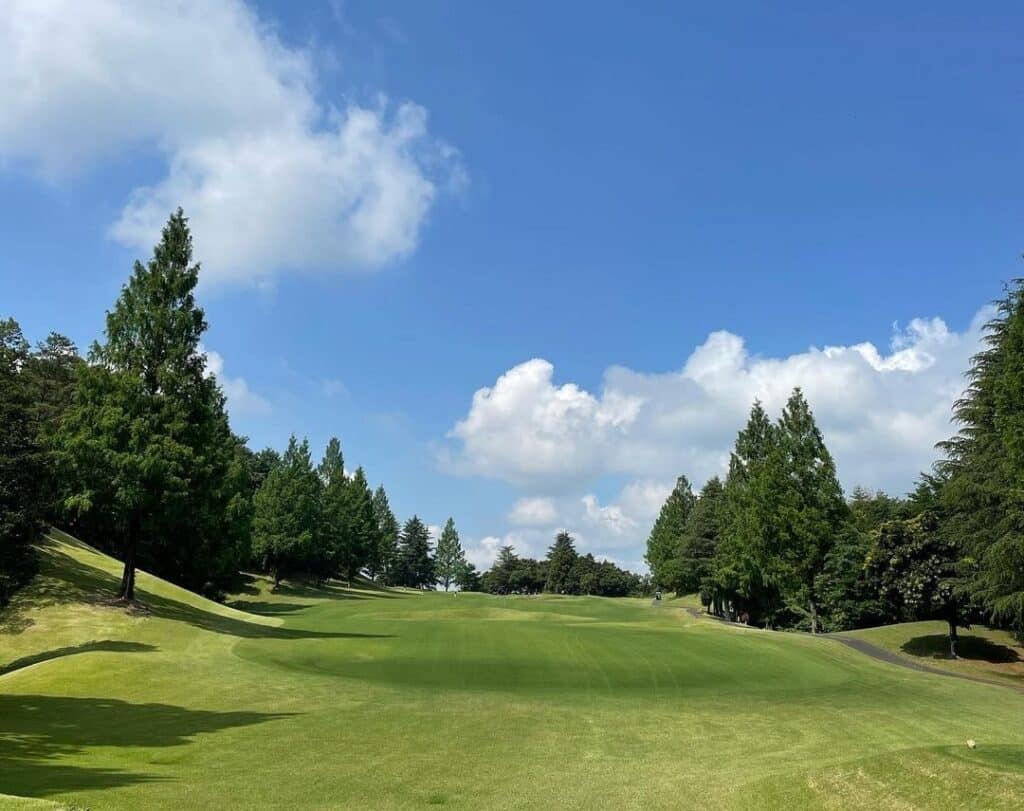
x=127, y=589
x=952, y=632
x=814, y=616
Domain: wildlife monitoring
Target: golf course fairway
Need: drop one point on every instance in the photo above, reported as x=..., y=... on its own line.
x=365, y=698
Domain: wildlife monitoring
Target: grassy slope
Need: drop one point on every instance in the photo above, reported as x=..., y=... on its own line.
x=345, y=698
x=984, y=652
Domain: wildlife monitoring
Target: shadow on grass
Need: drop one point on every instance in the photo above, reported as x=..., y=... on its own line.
x=65, y=579
x=265, y=609
x=334, y=591
x=39, y=733
x=108, y=645
x=936, y=646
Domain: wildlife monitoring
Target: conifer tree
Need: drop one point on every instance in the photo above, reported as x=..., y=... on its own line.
x=983, y=474
x=361, y=535
x=21, y=469
x=146, y=443
x=810, y=502
x=333, y=511
x=387, y=537
x=449, y=560
x=663, y=544
x=286, y=513
x=747, y=571
x=562, y=558
x=415, y=565
x=700, y=537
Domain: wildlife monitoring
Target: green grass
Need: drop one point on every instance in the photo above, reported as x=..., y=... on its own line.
x=984, y=653
x=362, y=698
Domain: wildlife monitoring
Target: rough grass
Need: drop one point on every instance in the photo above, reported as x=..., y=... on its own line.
x=363, y=698
x=983, y=652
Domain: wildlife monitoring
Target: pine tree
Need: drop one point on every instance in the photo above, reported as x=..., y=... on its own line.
x=812, y=511
x=147, y=444
x=561, y=559
x=361, y=536
x=663, y=544
x=415, y=566
x=983, y=473
x=286, y=518
x=333, y=511
x=700, y=537
x=450, y=559
x=22, y=471
x=387, y=537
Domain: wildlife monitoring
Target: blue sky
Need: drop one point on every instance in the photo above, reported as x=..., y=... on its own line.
x=625, y=224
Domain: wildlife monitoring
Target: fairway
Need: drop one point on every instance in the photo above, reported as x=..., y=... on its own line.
x=338, y=698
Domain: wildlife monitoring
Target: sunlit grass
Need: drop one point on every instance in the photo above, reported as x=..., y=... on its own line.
x=366, y=698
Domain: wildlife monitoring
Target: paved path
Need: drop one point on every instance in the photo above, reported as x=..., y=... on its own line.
x=875, y=652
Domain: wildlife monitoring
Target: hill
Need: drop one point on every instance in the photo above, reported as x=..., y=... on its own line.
x=368, y=698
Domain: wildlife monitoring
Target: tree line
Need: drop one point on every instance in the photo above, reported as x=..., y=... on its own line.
x=131, y=449
x=563, y=571
x=777, y=543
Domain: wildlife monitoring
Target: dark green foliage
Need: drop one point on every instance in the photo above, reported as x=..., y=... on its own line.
x=415, y=567
x=919, y=569
x=333, y=518
x=561, y=577
x=663, y=545
x=511, y=574
x=450, y=559
x=23, y=473
x=847, y=595
x=982, y=477
x=382, y=563
x=467, y=578
x=564, y=571
x=146, y=443
x=812, y=511
x=361, y=537
x=700, y=538
x=748, y=573
x=287, y=514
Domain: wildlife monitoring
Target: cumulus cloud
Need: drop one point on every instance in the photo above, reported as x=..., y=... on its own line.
x=241, y=399
x=881, y=413
x=273, y=178
x=533, y=511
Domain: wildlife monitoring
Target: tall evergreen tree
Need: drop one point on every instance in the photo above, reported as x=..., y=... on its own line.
x=286, y=513
x=983, y=474
x=332, y=537
x=384, y=560
x=147, y=440
x=362, y=536
x=415, y=565
x=812, y=511
x=22, y=472
x=663, y=544
x=561, y=559
x=449, y=559
x=748, y=572
x=700, y=537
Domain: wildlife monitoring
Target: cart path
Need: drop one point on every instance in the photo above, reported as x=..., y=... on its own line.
x=875, y=652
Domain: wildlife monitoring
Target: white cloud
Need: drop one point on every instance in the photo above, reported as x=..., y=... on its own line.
x=881, y=414
x=533, y=511
x=241, y=399
x=272, y=178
